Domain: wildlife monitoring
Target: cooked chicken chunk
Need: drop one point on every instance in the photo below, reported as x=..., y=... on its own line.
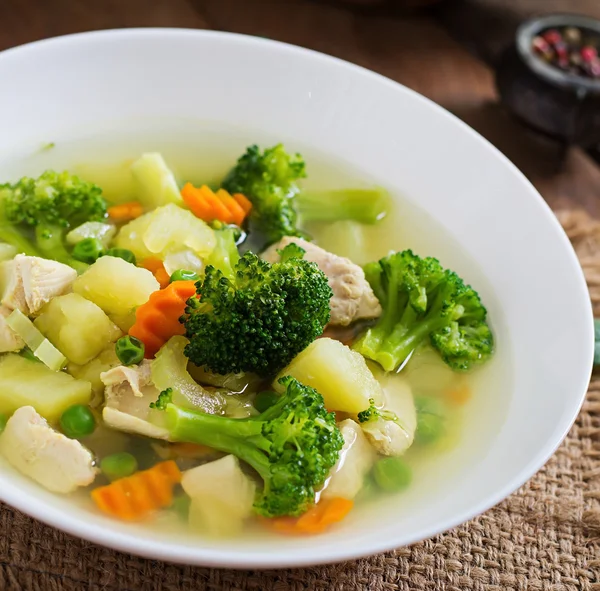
x=353, y=299
x=356, y=459
x=49, y=457
x=9, y=340
x=394, y=437
x=128, y=394
x=27, y=283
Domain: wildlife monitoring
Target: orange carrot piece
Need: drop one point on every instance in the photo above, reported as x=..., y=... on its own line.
x=209, y=206
x=218, y=209
x=134, y=497
x=194, y=199
x=157, y=320
x=125, y=212
x=243, y=202
x=460, y=394
x=156, y=267
x=315, y=520
x=235, y=210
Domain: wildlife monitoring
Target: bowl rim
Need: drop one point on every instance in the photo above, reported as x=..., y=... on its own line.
x=177, y=552
x=532, y=27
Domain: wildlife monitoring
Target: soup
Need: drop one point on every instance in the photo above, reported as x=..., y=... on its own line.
x=166, y=374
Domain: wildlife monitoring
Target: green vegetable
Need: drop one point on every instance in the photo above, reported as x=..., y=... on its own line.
x=366, y=206
x=164, y=398
x=373, y=413
x=293, y=445
x=269, y=180
x=183, y=275
x=225, y=255
x=7, y=252
x=51, y=204
x=3, y=421
x=118, y=465
x=129, y=350
x=122, y=253
x=181, y=506
x=99, y=230
x=28, y=354
x=392, y=474
x=597, y=341
x=265, y=400
x=259, y=320
x=421, y=301
x=77, y=421
x=88, y=250
x=40, y=346
x=430, y=421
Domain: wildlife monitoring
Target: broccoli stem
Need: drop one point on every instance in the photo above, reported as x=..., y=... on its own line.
x=240, y=437
x=50, y=243
x=10, y=235
x=366, y=206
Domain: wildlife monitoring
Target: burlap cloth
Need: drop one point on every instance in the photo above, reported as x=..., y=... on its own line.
x=544, y=537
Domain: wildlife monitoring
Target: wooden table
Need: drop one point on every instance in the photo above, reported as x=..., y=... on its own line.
x=426, y=51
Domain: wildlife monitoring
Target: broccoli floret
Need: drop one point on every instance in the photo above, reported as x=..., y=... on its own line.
x=421, y=301
x=366, y=206
x=164, y=398
x=49, y=205
x=292, y=445
x=373, y=413
x=258, y=320
x=269, y=180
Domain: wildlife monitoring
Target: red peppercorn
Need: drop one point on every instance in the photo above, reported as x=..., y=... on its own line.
x=588, y=53
x=552, y=36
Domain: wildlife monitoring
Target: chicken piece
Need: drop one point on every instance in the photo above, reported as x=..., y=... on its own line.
x=353, y=299
x=356, y=459
x=9, y=339
x=128, y=394
x=393, y=437
x=49, y=457
x=27, y=283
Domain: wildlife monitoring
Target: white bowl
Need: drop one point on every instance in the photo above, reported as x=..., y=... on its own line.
x=524, y=266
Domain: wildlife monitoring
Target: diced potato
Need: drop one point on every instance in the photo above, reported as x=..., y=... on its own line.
x=90, y=372
x=222, y=496
x=154, y=180
x=356, y=459
x=338, y=373
x=79, y=328
x=24, y=382
x=116, y=285
x=166, y=230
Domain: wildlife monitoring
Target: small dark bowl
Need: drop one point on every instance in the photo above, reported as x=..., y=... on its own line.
x=558, y=104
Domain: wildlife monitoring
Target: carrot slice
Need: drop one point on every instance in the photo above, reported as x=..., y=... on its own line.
x=316, y=520
x=134, y=497
x=125, y=212
x=209, y=206
x=157, y=320
x=243, y=202
x=156, y=267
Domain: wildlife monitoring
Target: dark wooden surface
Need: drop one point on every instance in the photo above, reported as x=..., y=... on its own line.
x=443, y=52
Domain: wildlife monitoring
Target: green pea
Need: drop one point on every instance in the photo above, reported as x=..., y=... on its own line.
x=77, y=421
x=183, y=275
x=392, y=474
x=118, y=465
x=265, y=400
x=122, y=253
x=3, y=421
x=129, y=350
x=430, y=427
x=89, y=250
x=181, y=506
